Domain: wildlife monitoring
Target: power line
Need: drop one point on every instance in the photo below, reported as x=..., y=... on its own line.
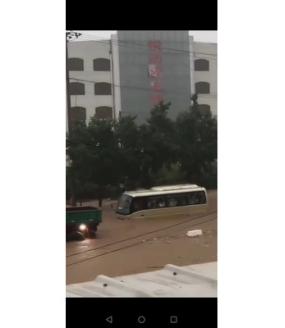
x=136, y=87
x=132, y=44
x=172, y=50
x=122, y=86
x=167, y=48
x=110, y=41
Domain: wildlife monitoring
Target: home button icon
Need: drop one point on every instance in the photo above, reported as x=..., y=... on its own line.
x=141, y=319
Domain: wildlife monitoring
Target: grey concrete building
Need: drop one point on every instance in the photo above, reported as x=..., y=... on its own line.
x=154, y=66
x=204, y=73
x=134, y=70
x=90, y=80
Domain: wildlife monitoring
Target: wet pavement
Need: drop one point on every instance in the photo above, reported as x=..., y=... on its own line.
x=125, y=247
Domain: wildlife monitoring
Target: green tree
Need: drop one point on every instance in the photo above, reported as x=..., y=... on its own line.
x=78, y=170
x=104, y=156
x=170, y=175
x=127, y=136
x=158, y=146
x=197, y=141
x=93, y=156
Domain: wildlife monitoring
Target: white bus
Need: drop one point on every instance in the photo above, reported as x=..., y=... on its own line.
x=163, y=201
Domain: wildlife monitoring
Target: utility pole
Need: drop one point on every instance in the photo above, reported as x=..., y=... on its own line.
x=113, y=80
x=69, y=36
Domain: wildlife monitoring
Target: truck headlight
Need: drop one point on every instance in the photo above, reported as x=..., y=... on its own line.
x=82, y=227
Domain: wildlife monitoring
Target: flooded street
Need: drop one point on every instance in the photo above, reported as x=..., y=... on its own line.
x=125, y=247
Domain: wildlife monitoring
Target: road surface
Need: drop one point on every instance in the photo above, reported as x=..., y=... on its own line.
x=124, y=247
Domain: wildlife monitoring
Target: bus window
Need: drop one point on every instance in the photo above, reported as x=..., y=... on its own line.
x=196, y=197
x=161, y=202
x=202, y=197
x=138, y=204
x=155, y=202
x=124, y=204
x=150, y=203
x=191, y=198
x=172, y=201
x=182, y=200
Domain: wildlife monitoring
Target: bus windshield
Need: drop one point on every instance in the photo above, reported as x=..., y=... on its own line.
x=124, y=204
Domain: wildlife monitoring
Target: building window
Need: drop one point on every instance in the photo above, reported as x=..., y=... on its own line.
x=103, y=88
x=103, y=113
x=101, y=64
x=202, y=87
x=76, y=88
x=201, y=65
x=77, y=114
x=204, y=107
x=75, y=64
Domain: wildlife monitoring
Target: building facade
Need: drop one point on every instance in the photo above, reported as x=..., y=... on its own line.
x=154, y=66
x=204, y=74
x=135, y=70
x=90, y=80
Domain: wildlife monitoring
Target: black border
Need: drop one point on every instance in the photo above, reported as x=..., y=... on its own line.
x=194, y=15
x=198, y=15
x=92, y=312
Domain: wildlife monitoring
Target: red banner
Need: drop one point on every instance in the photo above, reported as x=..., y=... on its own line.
x=154, y=71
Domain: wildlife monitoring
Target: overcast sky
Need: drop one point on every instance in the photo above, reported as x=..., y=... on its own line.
x=203, y=36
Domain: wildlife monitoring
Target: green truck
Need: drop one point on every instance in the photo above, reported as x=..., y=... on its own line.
x=82, y=221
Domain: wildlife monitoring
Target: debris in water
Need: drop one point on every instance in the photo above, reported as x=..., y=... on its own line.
x=194, y=233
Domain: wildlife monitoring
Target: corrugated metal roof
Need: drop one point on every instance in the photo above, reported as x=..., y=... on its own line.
x=199, y=280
